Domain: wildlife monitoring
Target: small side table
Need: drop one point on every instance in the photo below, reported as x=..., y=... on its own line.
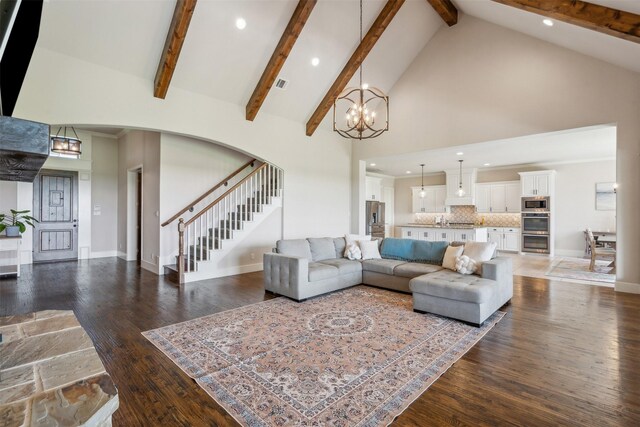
x=10, y=255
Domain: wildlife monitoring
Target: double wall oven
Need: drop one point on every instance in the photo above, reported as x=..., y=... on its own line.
x=536, y=225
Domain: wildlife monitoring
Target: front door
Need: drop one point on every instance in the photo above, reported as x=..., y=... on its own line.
x=55, y=206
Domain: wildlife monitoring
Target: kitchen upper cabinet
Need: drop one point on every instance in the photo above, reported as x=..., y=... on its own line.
x=433, y=200
x=373, y=188
x=512, y=196
x=468, y=185
x=499, y=197
x=539, y=183
x=483, y=198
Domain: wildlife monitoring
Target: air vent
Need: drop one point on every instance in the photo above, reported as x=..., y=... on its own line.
x=282, y=84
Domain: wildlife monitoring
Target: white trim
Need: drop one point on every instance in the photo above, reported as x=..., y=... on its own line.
x=632, y=288
x=224, y=272
x=12, y=20
x=380, y=175
x=104, y=254
x=149, y=267
x=122, y=255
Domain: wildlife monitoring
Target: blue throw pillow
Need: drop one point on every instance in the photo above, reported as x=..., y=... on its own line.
x=429, y=252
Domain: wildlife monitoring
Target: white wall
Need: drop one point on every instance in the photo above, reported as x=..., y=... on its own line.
x=140, y=149
x=478, y=82
x=104, y=197
x=190, y=167
x=317, y=169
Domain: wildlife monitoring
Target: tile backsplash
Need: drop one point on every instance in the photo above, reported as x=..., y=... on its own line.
x=468, y=214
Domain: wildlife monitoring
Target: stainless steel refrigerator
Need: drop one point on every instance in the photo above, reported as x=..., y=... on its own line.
x=375, y=219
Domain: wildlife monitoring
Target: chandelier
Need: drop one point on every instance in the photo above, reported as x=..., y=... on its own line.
x=460, y=192
x=66, y=144
x=354, y=114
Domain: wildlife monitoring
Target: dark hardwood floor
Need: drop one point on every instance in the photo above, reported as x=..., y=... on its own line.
x=566, y=354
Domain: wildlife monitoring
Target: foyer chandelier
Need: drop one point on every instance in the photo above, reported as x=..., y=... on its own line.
x=353, y=110
x=460, y=192
x=66, y=144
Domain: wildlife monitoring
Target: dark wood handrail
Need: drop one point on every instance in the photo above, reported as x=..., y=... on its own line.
x=226, y=193
x=199, y=199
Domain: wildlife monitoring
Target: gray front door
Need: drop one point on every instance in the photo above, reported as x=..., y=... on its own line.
x=55, y=206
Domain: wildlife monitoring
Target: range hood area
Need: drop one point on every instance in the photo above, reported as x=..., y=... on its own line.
x=24, y=147
x=468, y=178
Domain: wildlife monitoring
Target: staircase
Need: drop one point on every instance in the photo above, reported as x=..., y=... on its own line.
x=216, y=229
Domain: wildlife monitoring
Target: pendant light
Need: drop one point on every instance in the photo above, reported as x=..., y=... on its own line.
x=353, y=115
x=422, y=192
x=64, y=144
x=460, y=192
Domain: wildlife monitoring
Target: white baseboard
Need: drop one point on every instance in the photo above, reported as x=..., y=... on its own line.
x=575, y=253
x=149, y=266
x=122, y=255
x=223, y=272
x=104, y=254
x=632, y=288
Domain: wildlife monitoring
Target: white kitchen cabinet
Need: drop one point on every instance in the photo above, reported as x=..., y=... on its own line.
x=512, y=196
x=511, y=240
x=373, y=188
x=540, y=183
x=410, y=233
x=506, y=239
x=433, y=200
x=464, y=235
x=496, y=237
x=444, y=235
x=427, y=234
x=498, y=197
x=468, y=185
x=483, y=198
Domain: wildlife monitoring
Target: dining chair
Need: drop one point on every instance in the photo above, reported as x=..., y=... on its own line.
x=597, y=251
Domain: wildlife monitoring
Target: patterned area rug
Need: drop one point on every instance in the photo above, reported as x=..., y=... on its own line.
x=355, y=357
x=576, y=268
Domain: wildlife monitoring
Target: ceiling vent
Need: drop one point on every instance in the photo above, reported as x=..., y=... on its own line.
x=282, y=84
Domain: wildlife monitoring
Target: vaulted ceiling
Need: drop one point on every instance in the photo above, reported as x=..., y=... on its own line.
x=226, y=63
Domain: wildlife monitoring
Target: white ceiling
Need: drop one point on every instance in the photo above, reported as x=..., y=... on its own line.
x=577, y=145
x=225, y=63
x=611, y=49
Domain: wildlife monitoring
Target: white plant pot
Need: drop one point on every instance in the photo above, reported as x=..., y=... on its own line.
x=12, y=231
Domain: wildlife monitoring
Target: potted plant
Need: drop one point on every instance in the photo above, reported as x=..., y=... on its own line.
x=16, y=223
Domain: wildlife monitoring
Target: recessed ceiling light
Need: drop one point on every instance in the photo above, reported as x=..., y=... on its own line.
x=487, y=164
x=459, y=153
x=548, y=22
x=408, y=171
x=241, y=23
x=372, y=164
x=315, y=61
x=365, y=86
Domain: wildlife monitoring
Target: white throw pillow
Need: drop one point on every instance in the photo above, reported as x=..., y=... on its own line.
x=465, y=265
x=351, y=239
x=369, y=249
x=479, y=252
x=449, y=260
x=353, y=252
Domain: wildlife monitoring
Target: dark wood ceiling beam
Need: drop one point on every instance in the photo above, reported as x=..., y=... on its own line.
x=379, y=25
x=279, y=56
x=614, y=22
x=173, y=45
x=446, y=10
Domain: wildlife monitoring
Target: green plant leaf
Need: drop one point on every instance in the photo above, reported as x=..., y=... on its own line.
x=21, y=226
x=15, y=212
x=2, y=227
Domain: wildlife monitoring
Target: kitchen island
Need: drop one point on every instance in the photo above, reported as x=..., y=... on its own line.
x=445, y=233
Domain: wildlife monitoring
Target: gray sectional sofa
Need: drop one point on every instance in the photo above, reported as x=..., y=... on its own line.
x=304, y=268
